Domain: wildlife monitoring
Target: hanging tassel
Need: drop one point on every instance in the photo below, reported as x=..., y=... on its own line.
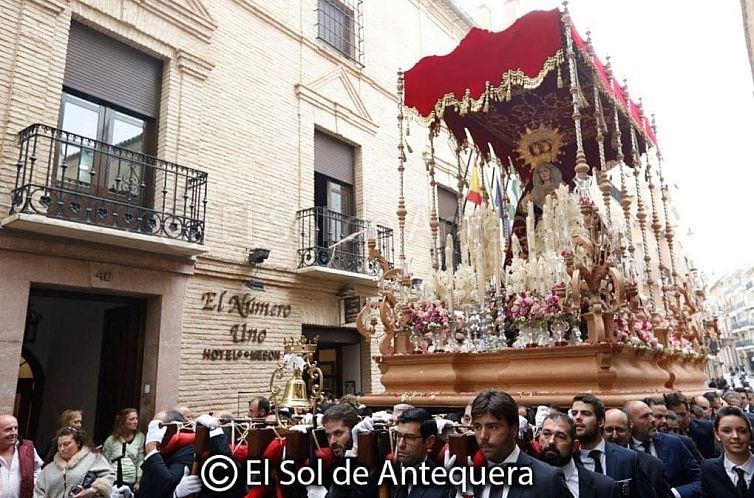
x=408, y=129
x=486, y=106
x=560, y=77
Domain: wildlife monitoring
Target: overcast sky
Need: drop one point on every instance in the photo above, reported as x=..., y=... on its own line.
x=688, y=61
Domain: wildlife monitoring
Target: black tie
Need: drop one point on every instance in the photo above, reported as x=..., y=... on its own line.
x=647, y=449
x=401, y=491
x=741, y=488
x=595, y=455
x=497, y=491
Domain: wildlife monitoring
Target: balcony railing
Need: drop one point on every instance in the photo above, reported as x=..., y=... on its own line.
x=74, y=178
x=744, y=343
x=333, y=240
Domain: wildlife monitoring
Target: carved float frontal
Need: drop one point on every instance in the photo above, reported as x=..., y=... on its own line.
x=563, y=285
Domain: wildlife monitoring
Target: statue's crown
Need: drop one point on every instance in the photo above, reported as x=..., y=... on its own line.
x=539, y=145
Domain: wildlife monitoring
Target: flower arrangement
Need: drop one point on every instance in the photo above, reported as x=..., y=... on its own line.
x=526, y=309
x=620, y=327
x=643, y=329
x=427, y=319
x=681, y=346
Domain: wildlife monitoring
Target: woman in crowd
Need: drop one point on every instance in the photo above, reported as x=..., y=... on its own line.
x=124, y=448
x=75, y=471
x=730, y=474
x=72, y=417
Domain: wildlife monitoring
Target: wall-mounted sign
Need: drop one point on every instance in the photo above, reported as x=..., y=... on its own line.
x=352, y=306
x=245, y=306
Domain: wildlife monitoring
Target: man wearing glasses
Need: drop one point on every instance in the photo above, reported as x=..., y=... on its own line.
x=617, y=430
x=415, y=436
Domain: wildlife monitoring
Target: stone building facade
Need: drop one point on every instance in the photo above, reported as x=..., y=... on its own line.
x=141, y=280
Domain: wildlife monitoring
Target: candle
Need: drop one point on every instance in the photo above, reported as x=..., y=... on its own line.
x=496, y=257
x=479, y=255
x=530, y=233
x=449, y=272
x=515, y=246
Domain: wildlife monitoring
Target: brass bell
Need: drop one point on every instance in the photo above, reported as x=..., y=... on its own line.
x=294, y=394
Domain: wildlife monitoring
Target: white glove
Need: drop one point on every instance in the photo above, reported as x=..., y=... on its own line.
x=207, y=421
x=523, y=426
x=450, y=460
x=365, y=425
x=155, y=433
x=542, y=413
x=188, y=485
x=442, y=424
x=299, y=428
x=382, y=416
x=121, y=492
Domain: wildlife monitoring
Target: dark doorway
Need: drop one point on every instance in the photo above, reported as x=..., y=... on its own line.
x=119, y=382
x=339, y=357
x=88, y=348
x=28, y=394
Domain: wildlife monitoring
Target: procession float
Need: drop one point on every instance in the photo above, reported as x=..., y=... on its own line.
x=575, y=285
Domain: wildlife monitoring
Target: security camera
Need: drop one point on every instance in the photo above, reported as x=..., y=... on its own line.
x=258, y=255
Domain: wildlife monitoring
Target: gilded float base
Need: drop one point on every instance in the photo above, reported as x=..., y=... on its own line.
x=614, y=372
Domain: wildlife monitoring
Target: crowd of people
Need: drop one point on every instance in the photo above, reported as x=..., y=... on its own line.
x=658, y=447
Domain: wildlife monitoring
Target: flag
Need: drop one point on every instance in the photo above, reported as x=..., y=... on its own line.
x=499, y=198
x=475, y=189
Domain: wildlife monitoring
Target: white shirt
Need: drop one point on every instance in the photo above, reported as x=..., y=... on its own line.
x=587, y=461
x=571, y=477
x=748, y=469
x=639, y=446
x=10, y=475
x=512, y=458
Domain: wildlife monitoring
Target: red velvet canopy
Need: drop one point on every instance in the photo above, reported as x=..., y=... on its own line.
x=529, y=80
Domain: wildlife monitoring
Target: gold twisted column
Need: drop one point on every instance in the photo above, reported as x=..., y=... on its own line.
x=664, y=284
x=401, y=212
x=641, y=212
x=617, y=142
x=434, y=224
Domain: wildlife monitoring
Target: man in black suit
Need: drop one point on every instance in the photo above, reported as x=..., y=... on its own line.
x=621, y=464
x=680, y=465
x=494, y=416
x=617, y=430
x=714, y=402
x=415, y=436
x=557, y=439
x=703, y=404
x=164, y=468
x=339, y=421
x=700, y=431
x=660, y=414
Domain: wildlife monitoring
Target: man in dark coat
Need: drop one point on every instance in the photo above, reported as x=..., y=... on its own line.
x=700, y=431
x=415, y=436
x=621, y=464
x=494, y=417
x=558, y=442
x=164, y=468
x=338, y=421
x=617, y=430
x=682, y=470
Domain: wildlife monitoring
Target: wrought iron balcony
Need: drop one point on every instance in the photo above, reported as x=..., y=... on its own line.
x=329, y=239
x=73, y=178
